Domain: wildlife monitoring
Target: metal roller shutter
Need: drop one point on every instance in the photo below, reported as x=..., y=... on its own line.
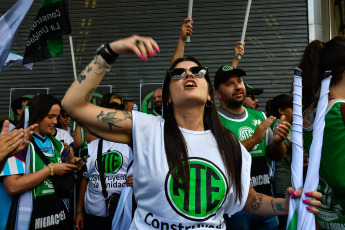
x=276, y=36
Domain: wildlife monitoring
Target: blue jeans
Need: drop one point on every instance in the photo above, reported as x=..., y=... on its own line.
x=247, y=221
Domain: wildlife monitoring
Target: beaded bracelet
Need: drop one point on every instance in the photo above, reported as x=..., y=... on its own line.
x=51, y=170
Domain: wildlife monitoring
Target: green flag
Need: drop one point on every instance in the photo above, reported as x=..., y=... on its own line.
x=45, y=39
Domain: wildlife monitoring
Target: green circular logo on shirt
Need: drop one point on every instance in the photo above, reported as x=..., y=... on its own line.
x=112, y=162
x=208, y=186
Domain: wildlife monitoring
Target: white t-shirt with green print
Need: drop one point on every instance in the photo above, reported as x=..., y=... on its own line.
x=161, y=204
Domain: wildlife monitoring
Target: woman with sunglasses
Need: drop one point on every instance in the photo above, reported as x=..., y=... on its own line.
x=191, y=169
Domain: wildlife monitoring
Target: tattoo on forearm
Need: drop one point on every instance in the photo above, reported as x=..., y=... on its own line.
x=274, y=210
x=89, y=94
x=81, y=77
x=256, y=201
x=109, y=119
x=278, y=207
x=127, y=115
x=89, y=68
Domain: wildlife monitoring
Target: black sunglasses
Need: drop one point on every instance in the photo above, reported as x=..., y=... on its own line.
x=115, y=105
x=197, y=71
x=253, y=97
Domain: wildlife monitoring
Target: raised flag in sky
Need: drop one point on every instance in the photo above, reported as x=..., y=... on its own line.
x=45, y=39
x=9, y=24
x=14, y=58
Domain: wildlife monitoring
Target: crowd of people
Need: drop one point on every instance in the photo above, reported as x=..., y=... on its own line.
x=187, y=164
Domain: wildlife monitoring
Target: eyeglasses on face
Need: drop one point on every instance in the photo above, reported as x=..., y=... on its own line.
x=197, y=71
x=253, y=97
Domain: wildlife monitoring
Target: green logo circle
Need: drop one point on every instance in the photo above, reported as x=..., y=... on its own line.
x=112, y=162
x=227, y=68
x=208, y=186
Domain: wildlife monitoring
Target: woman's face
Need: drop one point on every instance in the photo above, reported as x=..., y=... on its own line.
x=48, y=123
x=65, y=120
x=189, y=90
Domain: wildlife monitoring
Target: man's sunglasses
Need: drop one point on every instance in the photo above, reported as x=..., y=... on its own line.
x=197, y=71
x=253, y=97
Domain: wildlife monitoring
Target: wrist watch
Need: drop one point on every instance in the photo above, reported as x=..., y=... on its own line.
x=110, y=58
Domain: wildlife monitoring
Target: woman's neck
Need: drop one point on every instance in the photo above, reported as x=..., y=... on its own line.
x=190, y=118
x=36, y=130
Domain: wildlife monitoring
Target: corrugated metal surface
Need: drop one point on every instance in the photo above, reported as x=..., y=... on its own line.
x=276, y=36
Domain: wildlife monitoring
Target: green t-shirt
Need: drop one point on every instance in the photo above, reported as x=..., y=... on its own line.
x=36, y=163
x=243, y=129
x=332, y=173
x=282, y=175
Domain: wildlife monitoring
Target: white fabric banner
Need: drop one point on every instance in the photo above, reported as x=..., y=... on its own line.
x=306, y=220
x=297, y=148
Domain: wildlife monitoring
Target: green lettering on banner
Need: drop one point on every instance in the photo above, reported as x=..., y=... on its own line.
x=207, y=191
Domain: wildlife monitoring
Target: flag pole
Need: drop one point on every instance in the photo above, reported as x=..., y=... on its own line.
x=190, y=9
x=72, y=54
x=297, y=149
x=245, y=25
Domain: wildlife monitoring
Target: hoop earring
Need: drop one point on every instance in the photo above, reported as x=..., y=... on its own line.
x=209, y=104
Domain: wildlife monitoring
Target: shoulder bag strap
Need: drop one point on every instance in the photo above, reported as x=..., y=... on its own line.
x=101, y=170
x=40, y=153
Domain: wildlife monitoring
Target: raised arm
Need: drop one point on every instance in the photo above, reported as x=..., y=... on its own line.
x=186, y=29
x=113, y=125
x=239, y=49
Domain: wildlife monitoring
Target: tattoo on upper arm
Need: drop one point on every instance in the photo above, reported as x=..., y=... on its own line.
x=81, y=77
x=278, y=208
x=89, y=94
x=109, y=119
x=127, y=115
x=81, y=124
x=256, y=201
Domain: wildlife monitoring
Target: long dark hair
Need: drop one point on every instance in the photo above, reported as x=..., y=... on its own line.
x=39, y=107
x=175, y=144
x=319, y=57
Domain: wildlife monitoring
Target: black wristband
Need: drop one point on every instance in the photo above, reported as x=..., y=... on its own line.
x=105, y=55
x=115, y=55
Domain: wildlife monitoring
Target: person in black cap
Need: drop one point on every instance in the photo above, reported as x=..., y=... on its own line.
x=251, y=100
x=251, y=128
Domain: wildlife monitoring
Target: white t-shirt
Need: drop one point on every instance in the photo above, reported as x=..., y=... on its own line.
x=116, y=163
x=62, y=134
x=161, y=205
